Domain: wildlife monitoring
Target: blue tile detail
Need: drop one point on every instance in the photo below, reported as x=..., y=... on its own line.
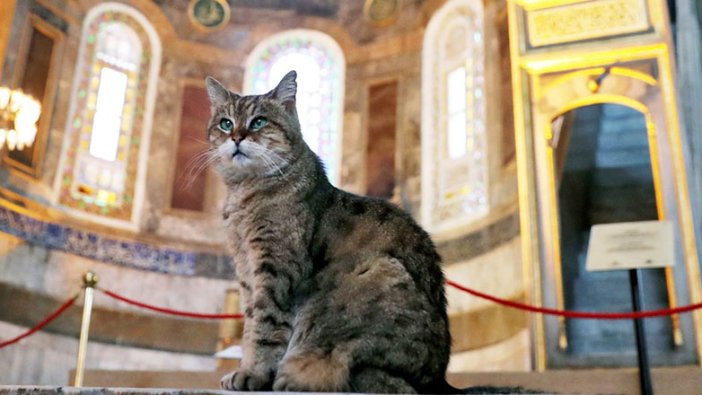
x=132, y=254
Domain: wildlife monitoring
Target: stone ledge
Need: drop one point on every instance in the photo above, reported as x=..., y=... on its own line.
x=666, y=381
x=51, y=390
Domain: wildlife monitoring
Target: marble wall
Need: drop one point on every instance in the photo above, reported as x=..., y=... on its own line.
x=123, y=337
x=53, y=356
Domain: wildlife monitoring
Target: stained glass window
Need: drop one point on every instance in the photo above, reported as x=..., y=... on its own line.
x=454, y=164
x=100, y=164
x=319, y=63
x=456, y=98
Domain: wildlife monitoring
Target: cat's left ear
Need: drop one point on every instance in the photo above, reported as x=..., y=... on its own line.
x=286, y=90
x=217, y=93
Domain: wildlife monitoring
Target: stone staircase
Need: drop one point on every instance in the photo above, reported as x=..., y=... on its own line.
x=607, y=178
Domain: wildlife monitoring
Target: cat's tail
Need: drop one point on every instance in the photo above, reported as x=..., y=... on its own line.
x=444, y=387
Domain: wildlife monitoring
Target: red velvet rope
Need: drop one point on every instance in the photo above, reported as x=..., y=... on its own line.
x=170, y=311
x=46, y=321
x=504, y=302
x=578, y=314
x=521, y=306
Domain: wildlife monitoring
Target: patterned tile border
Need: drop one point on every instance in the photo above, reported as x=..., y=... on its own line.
x=477, y=243
x=149, y=257
x=133, y=254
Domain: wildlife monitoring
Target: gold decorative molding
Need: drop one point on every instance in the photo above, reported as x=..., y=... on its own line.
x=539, y=4
x=629, y=42
x=7, y=12
x=586, y=21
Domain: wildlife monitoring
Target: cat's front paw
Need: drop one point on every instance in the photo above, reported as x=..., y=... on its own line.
x=288, y=383
x=246, y=380
x=312, y=372
x=283, y=383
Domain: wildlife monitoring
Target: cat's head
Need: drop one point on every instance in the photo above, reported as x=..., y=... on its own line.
x=254, y=136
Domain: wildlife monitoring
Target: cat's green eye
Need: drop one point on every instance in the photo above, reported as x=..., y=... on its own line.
x=226, y=125
x=258, y=123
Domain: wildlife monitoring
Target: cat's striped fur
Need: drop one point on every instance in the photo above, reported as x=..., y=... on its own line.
x=341, y=292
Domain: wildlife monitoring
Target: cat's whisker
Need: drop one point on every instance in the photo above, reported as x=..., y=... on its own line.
x=211, y=158
x=271, y=164
x=196, y=162
x=195, y=166
x=198, y=140
x=270, y=158
x=192, y=162
x=187, y=173
x=196, y=174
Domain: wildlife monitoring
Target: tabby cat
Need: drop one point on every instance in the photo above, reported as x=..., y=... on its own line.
x=341, y=292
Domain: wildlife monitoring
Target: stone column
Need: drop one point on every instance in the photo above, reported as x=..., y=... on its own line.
x=689, y=79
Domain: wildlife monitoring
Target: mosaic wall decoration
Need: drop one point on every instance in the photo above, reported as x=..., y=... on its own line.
x=107, y=125
x=381, y=12
x=134, y=254
x=145, y=256
x=320, y=87
x=458, y=181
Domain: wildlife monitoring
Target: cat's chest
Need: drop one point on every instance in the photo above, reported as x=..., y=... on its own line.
x=251, y=230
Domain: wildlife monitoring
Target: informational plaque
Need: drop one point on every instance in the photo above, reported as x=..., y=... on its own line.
x=630, y=245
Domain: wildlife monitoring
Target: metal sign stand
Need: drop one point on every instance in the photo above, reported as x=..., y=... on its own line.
x=634, y=246
x=641, y=348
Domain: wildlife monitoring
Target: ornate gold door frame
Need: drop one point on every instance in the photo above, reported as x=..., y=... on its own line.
x=619, y=52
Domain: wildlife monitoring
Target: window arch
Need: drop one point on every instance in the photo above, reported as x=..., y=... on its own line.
x=454, y=151
x=320, y=67
x=110, y=117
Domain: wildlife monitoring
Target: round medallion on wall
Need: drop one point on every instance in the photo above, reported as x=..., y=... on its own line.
x=381, y=12
x=208, y=15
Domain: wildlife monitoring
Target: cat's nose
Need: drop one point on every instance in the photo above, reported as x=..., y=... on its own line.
x=237, y=138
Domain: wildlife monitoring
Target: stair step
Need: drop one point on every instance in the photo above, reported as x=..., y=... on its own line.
x=622, y=157
x=625, y=126
x=623, y=176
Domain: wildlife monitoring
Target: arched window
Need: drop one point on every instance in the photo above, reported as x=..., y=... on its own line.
x=112, y=103
x=320, y=66
x=454, y=152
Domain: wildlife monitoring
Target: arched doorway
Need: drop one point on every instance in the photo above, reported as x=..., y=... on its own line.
x=563, y=68
x=603, y=170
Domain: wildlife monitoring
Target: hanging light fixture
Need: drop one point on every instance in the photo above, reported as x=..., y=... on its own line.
x=19, y=113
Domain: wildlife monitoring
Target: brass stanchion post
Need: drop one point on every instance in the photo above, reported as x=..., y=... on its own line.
x=230, y=330
x=90, y=279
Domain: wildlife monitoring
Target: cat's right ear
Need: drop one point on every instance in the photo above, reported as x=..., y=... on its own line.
x=217, y=92
x=286, y=90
